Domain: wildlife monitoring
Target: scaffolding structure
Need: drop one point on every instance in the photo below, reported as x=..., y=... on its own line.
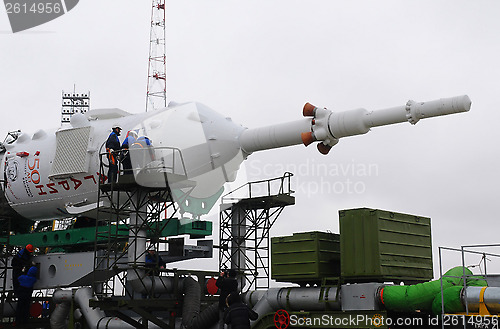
x=129, y=225
x=6, y=253
x=156, y=95
x=245, y=222
x=132, y=224
x=130, y=221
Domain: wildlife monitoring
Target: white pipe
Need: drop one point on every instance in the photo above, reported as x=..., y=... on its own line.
x=491, y=298
x=77, y=314
x=238, y=243
x=93, y=316
x=267, y=304
x=62, y=296
x=309, y=298
x=59, y=317
x=158, y=284
x=280, y=135
x=252, y=297
x=97, y=319
x=296, y=299
x=136, y=274
x=137, y=240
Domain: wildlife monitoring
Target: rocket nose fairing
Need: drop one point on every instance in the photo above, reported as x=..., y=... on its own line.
x=55, y=173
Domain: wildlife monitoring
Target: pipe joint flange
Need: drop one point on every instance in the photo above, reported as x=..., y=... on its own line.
x=322, y=129
x=412, y=112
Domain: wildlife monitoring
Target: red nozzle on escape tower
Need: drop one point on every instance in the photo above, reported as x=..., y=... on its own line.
x=308, y=110
x=307, y=138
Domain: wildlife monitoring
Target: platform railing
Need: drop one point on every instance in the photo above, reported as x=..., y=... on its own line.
x=261, y=188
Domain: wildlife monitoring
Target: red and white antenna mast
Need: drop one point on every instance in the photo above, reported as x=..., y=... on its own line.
x=156, y=96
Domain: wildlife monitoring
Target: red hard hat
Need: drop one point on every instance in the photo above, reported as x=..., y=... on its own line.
x=30, y=248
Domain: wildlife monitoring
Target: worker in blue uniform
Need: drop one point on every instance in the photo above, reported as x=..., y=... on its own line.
x=144, y=141
x=154, y=262
x=45, y=309
x=26, y=282
x=126, y=160
x=113, y=151
x=20, y=264
x=142, y=152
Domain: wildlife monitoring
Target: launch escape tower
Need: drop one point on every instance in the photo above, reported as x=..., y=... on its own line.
x=245, y=223
x=156, y=96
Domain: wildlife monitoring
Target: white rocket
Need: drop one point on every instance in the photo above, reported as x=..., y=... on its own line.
x=55, y=173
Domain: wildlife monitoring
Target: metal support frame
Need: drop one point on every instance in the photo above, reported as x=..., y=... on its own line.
x=112, y=257
x=157, y=64
x=117, y=204
x=8, y=249
x=245, y=223
x=135, y=216
x=6, y=252
x=463, y=251
x=113, y=244
x=148, y=308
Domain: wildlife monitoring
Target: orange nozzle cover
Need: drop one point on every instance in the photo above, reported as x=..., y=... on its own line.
x=308, y=110
x=307, y=138
x=324, y=149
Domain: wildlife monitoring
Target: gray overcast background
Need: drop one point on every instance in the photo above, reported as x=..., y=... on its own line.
x=260, y=61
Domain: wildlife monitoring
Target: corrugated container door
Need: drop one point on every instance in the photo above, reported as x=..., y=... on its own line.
x=305, y=257
x=378, y=245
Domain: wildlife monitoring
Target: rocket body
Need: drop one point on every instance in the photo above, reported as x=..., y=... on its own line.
x=55, y=173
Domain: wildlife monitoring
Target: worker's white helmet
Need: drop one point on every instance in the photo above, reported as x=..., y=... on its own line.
x=133, y=133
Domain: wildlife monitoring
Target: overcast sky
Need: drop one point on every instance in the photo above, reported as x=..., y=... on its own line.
x=260, y=61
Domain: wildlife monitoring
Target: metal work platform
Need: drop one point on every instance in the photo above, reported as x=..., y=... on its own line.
x=140, y=212
x=266, y=202
x=246, y=217
x=78, y=238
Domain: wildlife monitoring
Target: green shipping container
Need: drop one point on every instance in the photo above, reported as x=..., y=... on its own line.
x=378, y=245
x=305, y=257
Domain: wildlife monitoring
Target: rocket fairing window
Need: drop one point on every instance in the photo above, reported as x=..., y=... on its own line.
x=71, y=152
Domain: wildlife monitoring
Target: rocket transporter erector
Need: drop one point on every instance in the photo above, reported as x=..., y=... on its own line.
x=54, y=173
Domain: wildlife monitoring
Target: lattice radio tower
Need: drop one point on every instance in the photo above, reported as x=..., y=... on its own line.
x=156, y=96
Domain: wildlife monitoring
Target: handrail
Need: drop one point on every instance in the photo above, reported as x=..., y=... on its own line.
x=284, y=188
x=463, y=250
x=155, y=153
